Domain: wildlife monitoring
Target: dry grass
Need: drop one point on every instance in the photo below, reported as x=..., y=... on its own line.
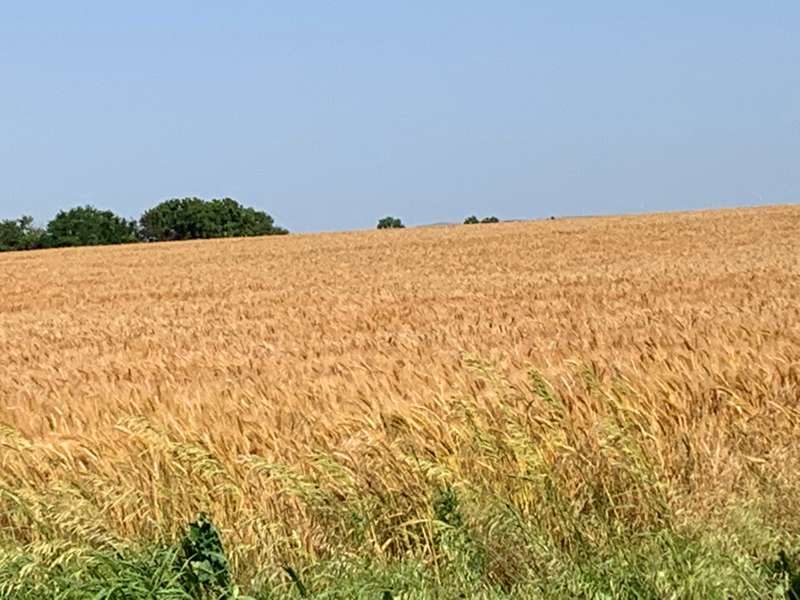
x=314, y=392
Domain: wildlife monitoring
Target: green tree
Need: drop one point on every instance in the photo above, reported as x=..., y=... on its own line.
x=89, y=226
x=193, y=218
x=19, y=234
x=471, y=220
x=390, y=223
x=490, y=220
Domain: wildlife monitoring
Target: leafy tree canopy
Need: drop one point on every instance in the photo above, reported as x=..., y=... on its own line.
x=193, y=218
x=472, y=220
x=88, y=226
x=390, y=223
x=19, y=234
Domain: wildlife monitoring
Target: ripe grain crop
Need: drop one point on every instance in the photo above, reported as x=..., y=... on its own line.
x=516, y=390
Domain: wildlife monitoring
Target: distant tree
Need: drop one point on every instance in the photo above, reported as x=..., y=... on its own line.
x=193, y=218
x=471, y=220
x=490, y=220
x=20, y=234
x=88, y=226
x=390, y=223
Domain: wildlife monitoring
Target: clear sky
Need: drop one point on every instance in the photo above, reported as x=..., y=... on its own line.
x=330, y=115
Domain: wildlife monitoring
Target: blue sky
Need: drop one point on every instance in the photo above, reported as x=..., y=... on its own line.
x=330, y=115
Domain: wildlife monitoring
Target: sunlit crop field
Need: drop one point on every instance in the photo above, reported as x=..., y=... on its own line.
x=317, y=394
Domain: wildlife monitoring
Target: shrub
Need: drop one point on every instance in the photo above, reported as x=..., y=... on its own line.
x=490, y=220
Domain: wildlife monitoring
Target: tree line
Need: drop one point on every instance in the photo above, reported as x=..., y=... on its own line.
x=473, y=220
x=396, y=223
x=176, y=219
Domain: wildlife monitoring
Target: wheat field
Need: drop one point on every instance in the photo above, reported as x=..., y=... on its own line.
x=561, y=382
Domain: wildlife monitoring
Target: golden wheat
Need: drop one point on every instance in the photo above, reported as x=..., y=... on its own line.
x=311, y=392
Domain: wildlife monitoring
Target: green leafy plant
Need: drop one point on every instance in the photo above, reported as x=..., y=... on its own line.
x=787, y=569
x=454, y=540
x=206, y=570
